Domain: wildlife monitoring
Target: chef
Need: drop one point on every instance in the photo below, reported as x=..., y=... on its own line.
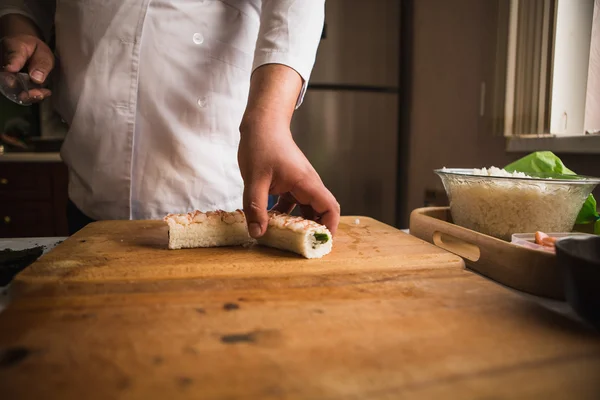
x=175, y=105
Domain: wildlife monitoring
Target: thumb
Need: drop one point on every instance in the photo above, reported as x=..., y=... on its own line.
x=41, y=63
x=256, y=196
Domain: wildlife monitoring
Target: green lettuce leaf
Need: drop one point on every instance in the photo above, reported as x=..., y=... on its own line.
x=597, y=227
x=588, y=213
x=540, y=161
x=548, y=162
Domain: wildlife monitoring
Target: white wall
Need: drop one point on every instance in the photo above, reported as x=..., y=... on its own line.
x=454, y=52
x=592, y=103
x=571, y=62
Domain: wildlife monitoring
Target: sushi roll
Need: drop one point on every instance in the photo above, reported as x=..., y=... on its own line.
x=302, y=236
x=219, y=228
x=210, y=229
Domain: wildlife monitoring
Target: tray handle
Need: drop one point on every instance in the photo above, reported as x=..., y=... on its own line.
x=457, y=246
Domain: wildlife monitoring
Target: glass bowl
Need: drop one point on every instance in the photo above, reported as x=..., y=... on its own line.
x=500, y=206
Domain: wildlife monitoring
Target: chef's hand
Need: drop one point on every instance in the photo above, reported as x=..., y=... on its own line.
x=269, y=159
x=20, y=46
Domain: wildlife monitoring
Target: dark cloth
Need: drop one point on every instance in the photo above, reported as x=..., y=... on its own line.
x=75, y=218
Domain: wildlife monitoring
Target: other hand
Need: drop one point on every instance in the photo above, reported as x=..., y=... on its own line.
x=24, y=50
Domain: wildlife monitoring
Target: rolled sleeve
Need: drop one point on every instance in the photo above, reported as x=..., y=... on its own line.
x=290, y=31
x=41, y=12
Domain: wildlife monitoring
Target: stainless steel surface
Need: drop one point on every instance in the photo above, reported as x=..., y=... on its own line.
x=348, y=124
x=360, y=45
x=351, y=140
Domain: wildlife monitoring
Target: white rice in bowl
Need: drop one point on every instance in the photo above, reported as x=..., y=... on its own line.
x=501, y=207
x=494, y=171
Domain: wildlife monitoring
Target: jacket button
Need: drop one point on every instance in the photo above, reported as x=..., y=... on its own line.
x=198, y=38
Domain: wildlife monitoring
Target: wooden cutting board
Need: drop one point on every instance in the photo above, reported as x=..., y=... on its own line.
x=111, y=313
x=417, y=334
x=136, y=251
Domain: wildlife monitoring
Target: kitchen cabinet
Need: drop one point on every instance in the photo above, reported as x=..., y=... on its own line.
x=33, y=199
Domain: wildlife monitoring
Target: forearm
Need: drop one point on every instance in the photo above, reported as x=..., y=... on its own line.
x=289, y=35
x=27, y=17
x=274, y=90
x=17, y=24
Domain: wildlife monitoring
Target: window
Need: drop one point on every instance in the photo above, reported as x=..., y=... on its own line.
x=551, y=75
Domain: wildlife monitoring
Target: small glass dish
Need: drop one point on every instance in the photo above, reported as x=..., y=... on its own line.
x=500, y=206
x=20, y=89
x=528, y=239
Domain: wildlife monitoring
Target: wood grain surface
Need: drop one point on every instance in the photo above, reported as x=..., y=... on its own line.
x=531, y=271
x=417, y=331
x=128, y=251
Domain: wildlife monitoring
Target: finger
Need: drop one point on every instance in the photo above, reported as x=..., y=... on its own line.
x=14, y=59
x=26, y=98
x=23, y=97
x=285, y=204
x=314, y=194
x=10, y=81
x=256, y=199
x=38, y=94
x=40, y=64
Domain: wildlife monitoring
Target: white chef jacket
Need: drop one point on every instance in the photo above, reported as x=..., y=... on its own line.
x=153, y=92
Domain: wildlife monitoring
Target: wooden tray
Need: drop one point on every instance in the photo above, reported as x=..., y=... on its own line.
x=523, y=269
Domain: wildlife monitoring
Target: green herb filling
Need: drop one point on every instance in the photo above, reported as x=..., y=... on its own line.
x=322, y=237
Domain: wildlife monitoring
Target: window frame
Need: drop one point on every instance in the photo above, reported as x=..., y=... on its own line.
x=530, y=117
